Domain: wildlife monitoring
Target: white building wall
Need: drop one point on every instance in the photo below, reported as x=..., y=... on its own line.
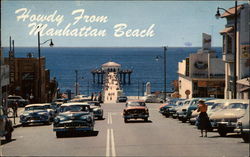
x=185, y=83
x=182, y=67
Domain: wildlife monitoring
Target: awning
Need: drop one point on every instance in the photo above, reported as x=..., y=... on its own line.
x=226, y=30
x=244, y=89
x=245, y=81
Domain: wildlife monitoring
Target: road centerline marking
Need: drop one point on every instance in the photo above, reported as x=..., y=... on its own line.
x=108, y=143
x=112, y=142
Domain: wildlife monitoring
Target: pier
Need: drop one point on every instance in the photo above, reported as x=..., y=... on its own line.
x=111, y=76
x=123, y=75
x=111, y=87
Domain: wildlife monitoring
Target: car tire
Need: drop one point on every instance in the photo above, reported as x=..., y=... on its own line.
x=125, y=120
x=246, y=137
x=145, y=119
x=183, y=120
x=222, y=132
x=8, y=136
x=59, y=134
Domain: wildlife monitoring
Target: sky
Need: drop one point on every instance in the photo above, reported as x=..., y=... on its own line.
x=112, y=23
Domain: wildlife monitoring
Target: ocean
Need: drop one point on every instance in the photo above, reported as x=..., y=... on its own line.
x=63, y=61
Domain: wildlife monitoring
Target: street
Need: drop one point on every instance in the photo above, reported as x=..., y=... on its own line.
x=112, y=137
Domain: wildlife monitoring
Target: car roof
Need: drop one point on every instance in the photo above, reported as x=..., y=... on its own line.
x=75, y=103
x=136, y=101
x=30, y=105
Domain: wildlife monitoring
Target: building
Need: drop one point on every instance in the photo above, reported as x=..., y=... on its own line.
x=26, y=79
x=242, y=53
x=202, y=74
x=4, y=81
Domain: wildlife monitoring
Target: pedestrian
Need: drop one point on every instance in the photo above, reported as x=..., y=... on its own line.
x=14, y=108
x=95, y=95
x=92, y=96
x=203, y=119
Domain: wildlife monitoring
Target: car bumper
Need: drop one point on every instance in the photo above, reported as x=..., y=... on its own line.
x=229, y=125
x=135, y=116
x=84, y=128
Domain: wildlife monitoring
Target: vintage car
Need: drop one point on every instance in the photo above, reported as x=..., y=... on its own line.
x=35, y=113
x=73, y=117
x=195, y=113
x=182, y=111
x=167, y=109
x=152, y=99
x=96, y=108
x=135, y=109
x=15, y=98
x=243, y=127
x=179, y=104
x=6, y=127
x=226, y=118
x=52, y=109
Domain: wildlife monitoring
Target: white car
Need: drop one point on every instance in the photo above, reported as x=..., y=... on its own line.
x=152, y=99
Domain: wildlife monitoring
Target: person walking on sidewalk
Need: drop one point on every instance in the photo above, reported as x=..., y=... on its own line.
x=203, y=120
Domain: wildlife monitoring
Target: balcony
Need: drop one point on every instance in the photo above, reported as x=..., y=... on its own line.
x=228, y=57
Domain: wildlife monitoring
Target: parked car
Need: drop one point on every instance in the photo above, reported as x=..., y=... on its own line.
x=178, y=103
x=152, y=99
x=15, y=98
x=122, y=98
x=73, y=117
x=243, y=127
x=209, y=103
x=167, y=109
x=6, y=127
x=182, y=111
x=226, y=118
x=96, y=108
x=135, y=109
x=52, y=109
x=35, y=113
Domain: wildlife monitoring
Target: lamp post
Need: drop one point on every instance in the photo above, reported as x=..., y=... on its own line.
x=164, y=70
x=39, y=63
x=217, y=15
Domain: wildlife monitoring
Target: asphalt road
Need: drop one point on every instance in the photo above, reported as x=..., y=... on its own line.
x=112, y=137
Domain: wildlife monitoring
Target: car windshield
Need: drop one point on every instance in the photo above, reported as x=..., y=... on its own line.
x=186, y=102
x=194, y=102
x=135, y=104
x=34, y=108
x=217, y=105
x=209, y=103
x=48, y=106
x=74, y=108
x=94, y=104
x=236, y=106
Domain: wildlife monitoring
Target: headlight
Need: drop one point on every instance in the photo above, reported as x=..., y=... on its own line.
x=60, y=118
x=56, y=120
x=83, y=117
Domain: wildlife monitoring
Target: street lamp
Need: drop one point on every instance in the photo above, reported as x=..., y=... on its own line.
x=218, y=15
x=164, y=70
x=39, y=62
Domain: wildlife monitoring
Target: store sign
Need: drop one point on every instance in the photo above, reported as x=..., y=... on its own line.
x=200, y=65
x=202, y=83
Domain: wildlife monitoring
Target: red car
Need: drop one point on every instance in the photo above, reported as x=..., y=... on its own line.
x=135, y=109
